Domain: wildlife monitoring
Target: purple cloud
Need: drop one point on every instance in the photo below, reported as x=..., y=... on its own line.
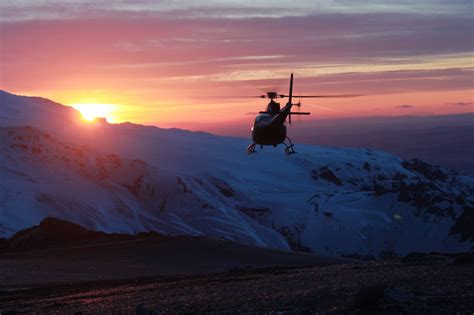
x=462, y=104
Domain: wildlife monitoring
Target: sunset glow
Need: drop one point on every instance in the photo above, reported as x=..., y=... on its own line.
x=91, y=111
x=179, y=57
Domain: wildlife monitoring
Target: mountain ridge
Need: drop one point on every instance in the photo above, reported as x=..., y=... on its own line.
x=124, y=178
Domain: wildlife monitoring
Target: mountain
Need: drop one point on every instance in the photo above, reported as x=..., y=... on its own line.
x=56, y=251
x=55, y=233
x=129, y=178
x=444, y=140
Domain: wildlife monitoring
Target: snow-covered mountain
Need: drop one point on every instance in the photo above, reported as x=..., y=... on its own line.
x=131, y=178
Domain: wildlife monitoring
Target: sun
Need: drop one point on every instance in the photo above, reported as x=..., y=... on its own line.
x=91, y=111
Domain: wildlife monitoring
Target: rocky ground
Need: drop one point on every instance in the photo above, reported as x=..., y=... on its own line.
x=414, y=284
x=60, y=267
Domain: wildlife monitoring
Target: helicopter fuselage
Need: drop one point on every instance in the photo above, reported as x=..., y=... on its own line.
x=267, y=131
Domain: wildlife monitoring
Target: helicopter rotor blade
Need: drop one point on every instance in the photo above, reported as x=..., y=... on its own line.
x=222, y=97
x=269, y=95
x=275, y=95
x=286, y=96
x=300, y=113
x=323, y=96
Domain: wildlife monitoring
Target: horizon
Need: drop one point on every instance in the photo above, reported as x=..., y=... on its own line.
x=215, y=128
x=159, y=63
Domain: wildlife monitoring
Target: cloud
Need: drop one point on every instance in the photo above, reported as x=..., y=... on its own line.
x=17, y=10
x=316, y=39
x=405, y=106
x=462, y=104
x=150, y=52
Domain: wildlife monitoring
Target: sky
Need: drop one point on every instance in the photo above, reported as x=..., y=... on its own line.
x=192, y=64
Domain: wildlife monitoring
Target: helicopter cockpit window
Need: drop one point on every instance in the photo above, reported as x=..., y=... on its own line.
x=262, y=119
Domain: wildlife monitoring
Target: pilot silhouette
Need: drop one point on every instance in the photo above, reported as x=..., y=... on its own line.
x=273, y=107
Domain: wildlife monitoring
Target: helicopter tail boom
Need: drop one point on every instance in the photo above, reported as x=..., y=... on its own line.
x=286, y=111
x=290, y=95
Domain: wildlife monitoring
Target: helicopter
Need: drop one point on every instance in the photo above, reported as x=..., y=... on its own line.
x=269, y=126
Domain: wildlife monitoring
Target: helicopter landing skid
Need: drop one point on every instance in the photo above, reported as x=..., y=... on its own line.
x=290, y=147
x=251, y=148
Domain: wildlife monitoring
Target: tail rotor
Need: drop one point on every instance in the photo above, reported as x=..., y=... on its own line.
x=290, y=96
